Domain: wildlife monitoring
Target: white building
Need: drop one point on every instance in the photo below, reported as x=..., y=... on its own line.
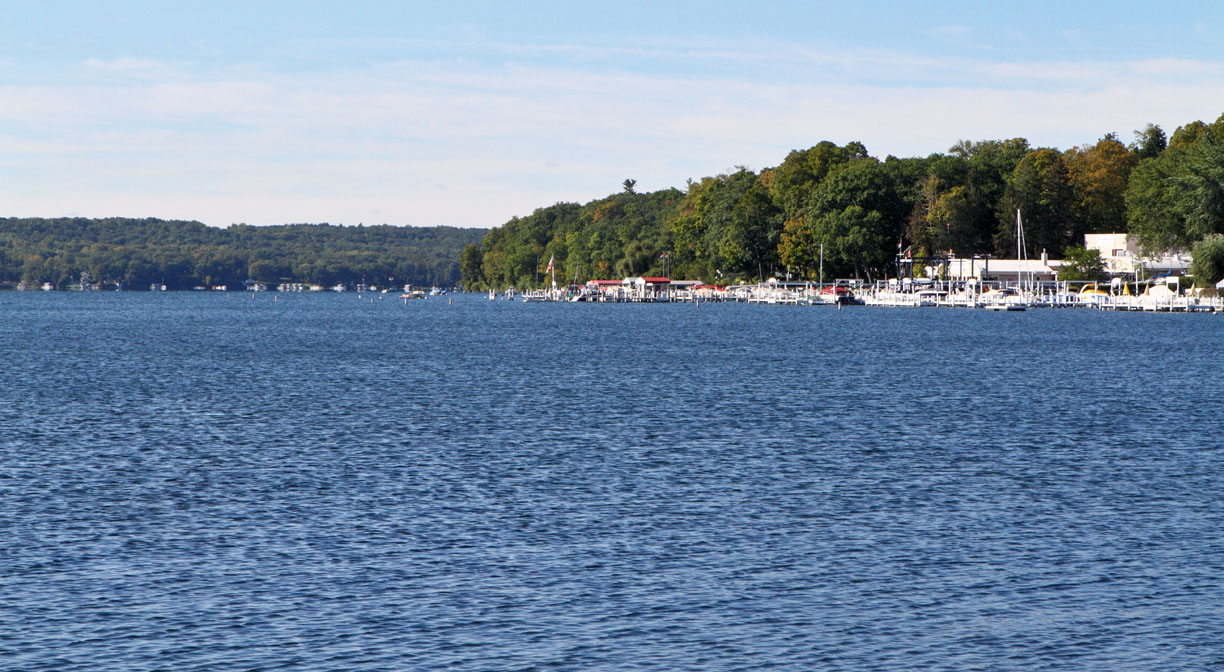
x=986, y=269
x=1122, y=256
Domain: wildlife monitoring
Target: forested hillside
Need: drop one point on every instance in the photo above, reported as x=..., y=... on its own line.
x=861, y=210
x=139, y=252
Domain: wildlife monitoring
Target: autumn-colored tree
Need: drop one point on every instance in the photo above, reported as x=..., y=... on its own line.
x=799, y=247
x=1099, y=175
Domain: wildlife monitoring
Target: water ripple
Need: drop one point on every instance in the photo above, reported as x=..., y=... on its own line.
x=195, y=482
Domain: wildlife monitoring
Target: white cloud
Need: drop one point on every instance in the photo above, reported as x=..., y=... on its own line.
x=372, y=143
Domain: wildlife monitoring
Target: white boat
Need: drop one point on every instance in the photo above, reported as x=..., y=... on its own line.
x=1006, y=298
x=1007, y=307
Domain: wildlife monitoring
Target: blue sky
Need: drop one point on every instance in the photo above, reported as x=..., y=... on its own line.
x=467, y=114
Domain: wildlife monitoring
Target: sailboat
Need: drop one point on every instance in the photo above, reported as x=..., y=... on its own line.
x=1006, y=300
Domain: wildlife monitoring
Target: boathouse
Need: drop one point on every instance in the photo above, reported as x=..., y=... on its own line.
x=649, y=289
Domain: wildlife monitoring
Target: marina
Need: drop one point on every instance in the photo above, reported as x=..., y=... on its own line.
x=994, y=297
x=1129, y=281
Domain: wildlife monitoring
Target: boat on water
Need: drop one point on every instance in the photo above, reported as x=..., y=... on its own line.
x=1002, y=299
x=1005, y=307
x=837, y=295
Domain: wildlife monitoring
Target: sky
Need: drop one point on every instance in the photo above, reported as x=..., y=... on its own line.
x=471, y=113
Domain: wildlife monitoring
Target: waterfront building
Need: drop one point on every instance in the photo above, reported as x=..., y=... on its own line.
x=1007, y=271
x=1123, y=257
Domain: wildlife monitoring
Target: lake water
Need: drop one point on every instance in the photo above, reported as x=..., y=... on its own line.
x=211, y=482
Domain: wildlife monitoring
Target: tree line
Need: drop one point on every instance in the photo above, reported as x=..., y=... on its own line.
x=839, y=208
x=182, y=255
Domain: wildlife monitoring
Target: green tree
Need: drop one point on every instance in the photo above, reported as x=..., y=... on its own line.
x=263, y=270
x=1149, y=142
x=1040, y=189
x=750, y=238
x=1199, y=189
x=1177, y=198
x=1081, y=264
x=853, y=240
x=987, y=167
x=470, y=263
x=954, y=219
x=726, y=223
x=860, y=216
x=1189, y=134
x=1207, y=266
x=793, y=182
x=1151, y=213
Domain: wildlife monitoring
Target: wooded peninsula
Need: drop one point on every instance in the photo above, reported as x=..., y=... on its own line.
x=855, y=213
x=183, y=255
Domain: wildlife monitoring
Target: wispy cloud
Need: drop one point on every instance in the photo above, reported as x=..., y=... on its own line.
x=121, y=64
x=505, y=133
x=951, y=33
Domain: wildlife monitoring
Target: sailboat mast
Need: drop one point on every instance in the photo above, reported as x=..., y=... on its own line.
x=1020, y=256
x=822, y=264
x=1019, y=266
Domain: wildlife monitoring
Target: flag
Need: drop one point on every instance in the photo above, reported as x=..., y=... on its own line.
x=550, y=262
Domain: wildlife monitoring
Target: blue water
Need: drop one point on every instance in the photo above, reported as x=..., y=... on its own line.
x=211, y=482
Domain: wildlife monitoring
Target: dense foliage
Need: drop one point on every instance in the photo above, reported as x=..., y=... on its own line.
x=1082, y=264
x=853, y=212
x=1208, y=264
x=622, y=235
x=140, y=252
